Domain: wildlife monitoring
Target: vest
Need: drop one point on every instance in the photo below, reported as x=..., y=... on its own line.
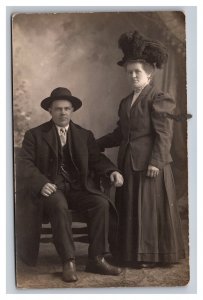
x=67, y=166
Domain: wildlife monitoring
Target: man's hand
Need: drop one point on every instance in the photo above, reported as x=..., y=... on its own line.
x=116, y=178
x=152, y=171
x=48, y=189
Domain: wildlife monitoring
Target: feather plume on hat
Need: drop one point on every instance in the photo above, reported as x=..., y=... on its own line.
x=135, y=47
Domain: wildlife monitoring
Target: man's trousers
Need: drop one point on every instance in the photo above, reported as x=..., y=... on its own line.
x=57, y=207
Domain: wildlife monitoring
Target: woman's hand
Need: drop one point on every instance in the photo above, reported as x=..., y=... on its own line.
x=152, y=171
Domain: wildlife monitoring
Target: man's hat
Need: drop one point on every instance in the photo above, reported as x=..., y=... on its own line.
x=136, y=47
x=61, y=93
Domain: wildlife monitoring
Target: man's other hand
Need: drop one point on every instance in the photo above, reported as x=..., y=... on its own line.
x=116, y=178
x=48, y=189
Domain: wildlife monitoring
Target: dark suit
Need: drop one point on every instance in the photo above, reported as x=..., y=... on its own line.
x=38, y=164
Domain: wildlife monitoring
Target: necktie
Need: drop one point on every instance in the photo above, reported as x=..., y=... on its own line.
x=63, y=136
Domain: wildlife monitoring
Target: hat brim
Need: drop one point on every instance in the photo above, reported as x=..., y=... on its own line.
x=121, y=63
x=77, y=103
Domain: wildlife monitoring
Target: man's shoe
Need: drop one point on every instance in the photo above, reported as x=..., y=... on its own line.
x=69, y=271
x=100, y=266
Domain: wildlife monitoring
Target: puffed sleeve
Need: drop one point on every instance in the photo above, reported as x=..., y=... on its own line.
x=162, y=107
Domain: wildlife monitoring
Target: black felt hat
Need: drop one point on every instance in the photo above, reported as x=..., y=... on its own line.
x=137, y=47
x=61, y=93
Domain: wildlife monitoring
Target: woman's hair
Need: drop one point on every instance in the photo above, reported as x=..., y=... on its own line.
x=149, y=68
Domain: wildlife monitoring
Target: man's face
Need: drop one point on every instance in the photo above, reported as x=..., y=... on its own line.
x=61, y=112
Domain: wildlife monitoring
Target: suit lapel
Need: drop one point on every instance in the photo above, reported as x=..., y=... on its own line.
x=141, y=96
x=128, y=104
x=70, y=148
x=78, y=147
x=50, y=136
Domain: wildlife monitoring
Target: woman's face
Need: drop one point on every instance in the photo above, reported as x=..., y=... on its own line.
x=137, y=76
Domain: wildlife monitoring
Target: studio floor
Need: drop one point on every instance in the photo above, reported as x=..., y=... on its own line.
x=47, y=273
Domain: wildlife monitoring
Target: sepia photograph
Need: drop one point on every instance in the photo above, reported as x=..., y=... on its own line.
x=100, y=149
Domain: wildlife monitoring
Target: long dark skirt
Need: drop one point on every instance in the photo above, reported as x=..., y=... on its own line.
x=149, y=226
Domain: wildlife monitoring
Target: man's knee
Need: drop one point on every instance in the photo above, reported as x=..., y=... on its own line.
x=56, y=203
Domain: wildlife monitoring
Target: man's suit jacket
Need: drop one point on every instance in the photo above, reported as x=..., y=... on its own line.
x=145, y=128
x=38, y=163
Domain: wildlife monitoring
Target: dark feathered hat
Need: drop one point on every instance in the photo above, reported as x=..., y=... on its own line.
x=135, y=47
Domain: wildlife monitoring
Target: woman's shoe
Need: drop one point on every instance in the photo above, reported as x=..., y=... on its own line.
x=148, y=265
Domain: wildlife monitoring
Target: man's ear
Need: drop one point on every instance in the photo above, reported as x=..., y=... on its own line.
x=49, y=110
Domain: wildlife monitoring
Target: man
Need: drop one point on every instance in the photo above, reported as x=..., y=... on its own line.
x=53, y=177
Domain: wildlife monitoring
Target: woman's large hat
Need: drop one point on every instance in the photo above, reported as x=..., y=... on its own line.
x=136, y=47
x=61, y=93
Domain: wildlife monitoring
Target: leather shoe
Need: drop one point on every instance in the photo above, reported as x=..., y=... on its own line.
x=69, y=271
x=99, y=265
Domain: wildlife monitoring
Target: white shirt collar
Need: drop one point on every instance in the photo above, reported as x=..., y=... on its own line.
x=58, y=128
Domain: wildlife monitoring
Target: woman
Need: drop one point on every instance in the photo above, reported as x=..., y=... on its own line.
x=150, y=228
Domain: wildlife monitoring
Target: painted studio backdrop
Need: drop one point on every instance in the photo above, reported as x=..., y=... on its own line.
x=80, y=52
